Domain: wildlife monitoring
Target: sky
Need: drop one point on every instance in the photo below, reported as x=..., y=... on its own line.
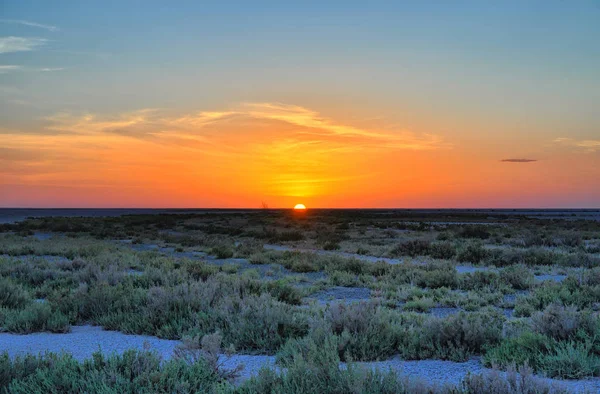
x=402, y=104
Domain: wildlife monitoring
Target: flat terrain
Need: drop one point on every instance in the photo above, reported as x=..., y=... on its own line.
x=467, y=301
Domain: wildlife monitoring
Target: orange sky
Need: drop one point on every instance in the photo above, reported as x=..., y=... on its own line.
x=282, y=155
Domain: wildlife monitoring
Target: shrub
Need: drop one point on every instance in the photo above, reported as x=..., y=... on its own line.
x=455, y=337
x=366, y=331
x=557, y=321
x=12, y=295
x=287, y=236
x=442, y=250
x=312, y=366
x=436, y=278
x=415, y=247
x=524, y=349
x=480, y=280
x=130, y=372
x=222, y=251
x=199, y=270
x=260, y=323
x=515, y=381
x=284, y=292
x=565, y=359
x=35, y=317
x=208, y=349
x=571, y=360
x=472, y=253
x=331, y=245
x=419, y=305
x=518, y=277
x=474, y=231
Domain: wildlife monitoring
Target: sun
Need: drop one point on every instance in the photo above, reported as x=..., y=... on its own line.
x=299, y=207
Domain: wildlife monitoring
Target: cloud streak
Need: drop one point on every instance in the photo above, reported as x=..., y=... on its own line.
x=588, y=145
x=30, y=24
x=308, y=125
x=20, y=44
x=518, y=160
x=7, y=68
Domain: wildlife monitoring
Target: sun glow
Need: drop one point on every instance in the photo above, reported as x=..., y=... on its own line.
x=299, y=207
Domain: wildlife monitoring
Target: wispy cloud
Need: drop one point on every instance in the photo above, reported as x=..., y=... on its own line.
x=309, y=126
x=6, y=68
x=588, y=145
x=518, y=160
x=30, y=24
x=20, y=44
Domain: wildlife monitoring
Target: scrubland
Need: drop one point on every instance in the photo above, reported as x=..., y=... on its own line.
x=520, y=294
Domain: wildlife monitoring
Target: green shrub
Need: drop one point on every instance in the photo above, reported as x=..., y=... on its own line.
x=413, y=248
x=130, y=372
x=286, y=236
x=199, y=270
x=474, y=231
x=438, y=277
x=259, y=324
x=480, y=280
x=562, y=359
x=331, y=245
x=12, y=295
x=419, y=305
x=455, y=337
x=284, y=292
x=525, y=349
x=442, y=250
x=366, y=331
x=222, y=251
x=518, y=277
x=571, y=360
x=313, y=367
x=34, y=318
x=472, y=253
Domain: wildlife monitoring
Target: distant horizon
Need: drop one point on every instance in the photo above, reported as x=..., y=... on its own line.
x=315, y=208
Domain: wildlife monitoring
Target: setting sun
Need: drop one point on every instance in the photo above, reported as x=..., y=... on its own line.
x=299, y=207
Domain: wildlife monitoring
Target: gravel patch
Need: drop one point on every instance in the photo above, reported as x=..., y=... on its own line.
x=42, y=236
x=469, y=269
x=553, y=278
x=511, y=299
x=81, y=342
x=444, y=311
x=346, y=294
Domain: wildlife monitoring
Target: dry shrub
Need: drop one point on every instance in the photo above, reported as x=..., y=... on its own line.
x=521, y=381
x=557, y=321
x=208, y=349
